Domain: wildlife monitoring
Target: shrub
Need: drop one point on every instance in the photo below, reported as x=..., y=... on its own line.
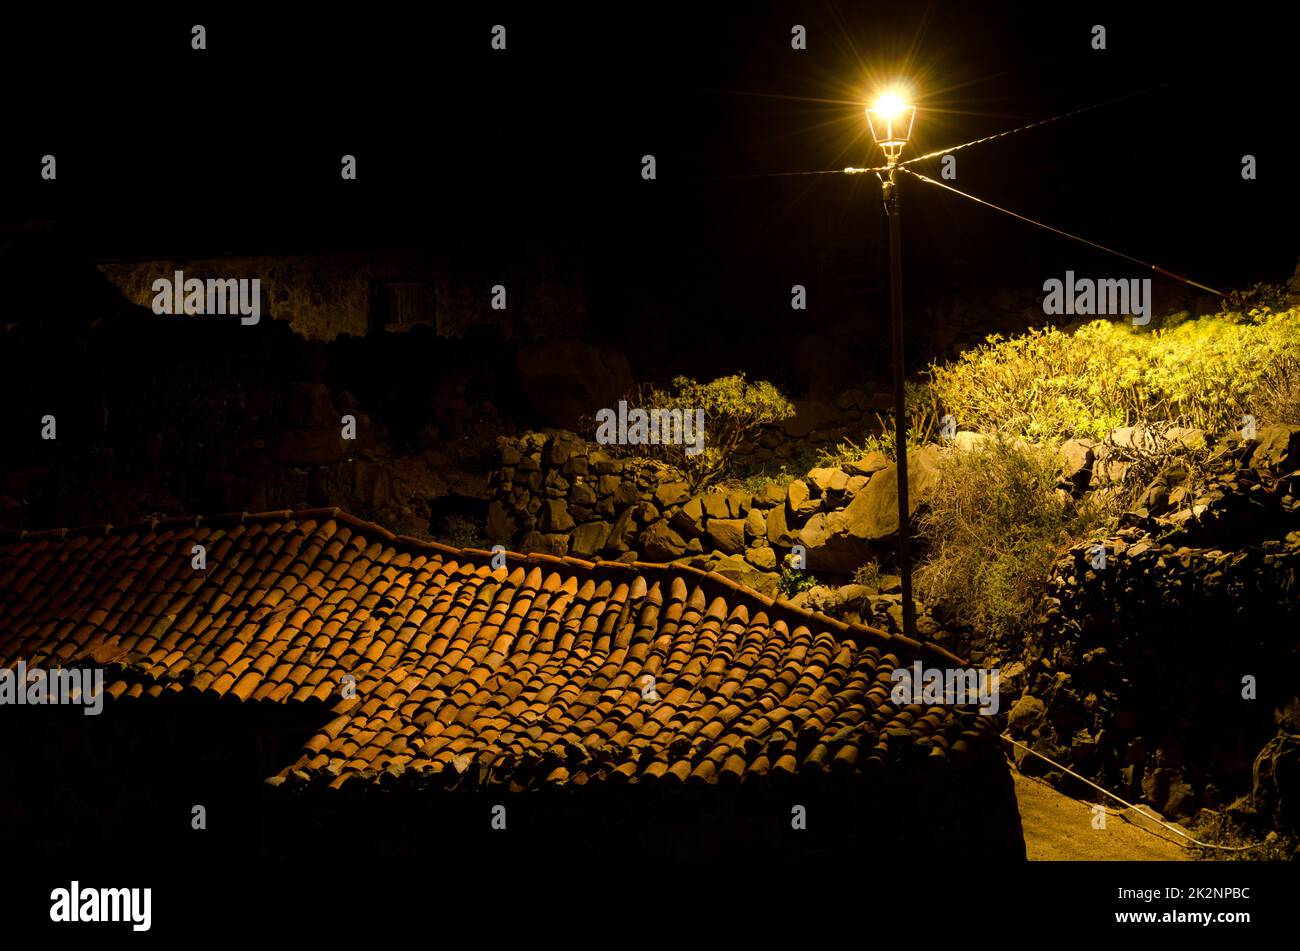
x=1279, y=400
x=868, y=574
x=995, y=524
x=1258, y=295
x=780, y=476
x=734, y=411
x=1046, y=384
x=793, y=581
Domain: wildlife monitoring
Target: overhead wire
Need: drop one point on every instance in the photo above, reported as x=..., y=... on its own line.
x=1066, y=234
x=902, y=166
x=1024, y=128
x=1128, y=805
x=955, y=148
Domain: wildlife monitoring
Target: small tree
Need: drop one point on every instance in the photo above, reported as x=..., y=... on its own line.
x=734, y=410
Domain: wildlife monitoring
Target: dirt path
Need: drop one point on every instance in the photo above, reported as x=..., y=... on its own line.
x=1058, y=828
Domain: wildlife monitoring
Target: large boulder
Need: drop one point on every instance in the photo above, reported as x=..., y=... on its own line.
x=739, y=503
x=1278, y=448
x=689, y=519
x=554, y=544
x=715, y=505
x=873, y=513
x=672, y=493
x=967, y=441
x=727, y=534
x=660, y=543
x=800, y=500
x=830, y=548
x=868, y=465
x=778, y=527
x=622, y=531
x=1076, y=462
x=1107, y=470
x=590, y=538
x=1276, y=780
x=555, y=516
x=1025, y=714
x=820, y=478
x=839, y=541
x=737, y=569
x=566, y=380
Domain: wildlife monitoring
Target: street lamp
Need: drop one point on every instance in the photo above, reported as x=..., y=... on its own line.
x=891, y=124
x=890, y=119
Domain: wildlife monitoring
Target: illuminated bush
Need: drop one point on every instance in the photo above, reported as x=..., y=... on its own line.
x=1206, y=373
x=995, y=524
x=734, y=411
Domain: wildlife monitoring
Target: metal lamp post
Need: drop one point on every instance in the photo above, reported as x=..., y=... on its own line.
x=891, y=126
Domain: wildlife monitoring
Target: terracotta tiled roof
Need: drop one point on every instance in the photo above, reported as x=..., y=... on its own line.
x=535, y=673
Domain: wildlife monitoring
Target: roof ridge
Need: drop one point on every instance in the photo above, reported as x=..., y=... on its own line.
x=480, y=555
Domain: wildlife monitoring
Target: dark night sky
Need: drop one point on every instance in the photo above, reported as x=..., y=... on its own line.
x=482, y=154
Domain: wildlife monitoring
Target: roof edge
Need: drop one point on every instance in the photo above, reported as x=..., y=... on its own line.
x=719, y=583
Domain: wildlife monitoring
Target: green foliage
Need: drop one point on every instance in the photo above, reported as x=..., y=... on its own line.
x=780, y=476
x=1279, y=399
x=734, y=411
x=1241, y=843
x=868, y=574
x=1046, y=384
x=996, y=523
x=1259, y=296
x=793, y=580
x=848, y=450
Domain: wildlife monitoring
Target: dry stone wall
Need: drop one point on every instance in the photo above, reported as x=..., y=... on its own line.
x=1170, y=670
x=815, y=424
x=557, y=493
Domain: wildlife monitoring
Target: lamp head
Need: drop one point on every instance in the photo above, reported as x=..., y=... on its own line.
x=890, y=118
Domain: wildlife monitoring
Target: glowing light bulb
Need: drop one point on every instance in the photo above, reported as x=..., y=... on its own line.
x=890, y=105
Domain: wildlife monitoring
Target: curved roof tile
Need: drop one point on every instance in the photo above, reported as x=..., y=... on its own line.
x=445, y=671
